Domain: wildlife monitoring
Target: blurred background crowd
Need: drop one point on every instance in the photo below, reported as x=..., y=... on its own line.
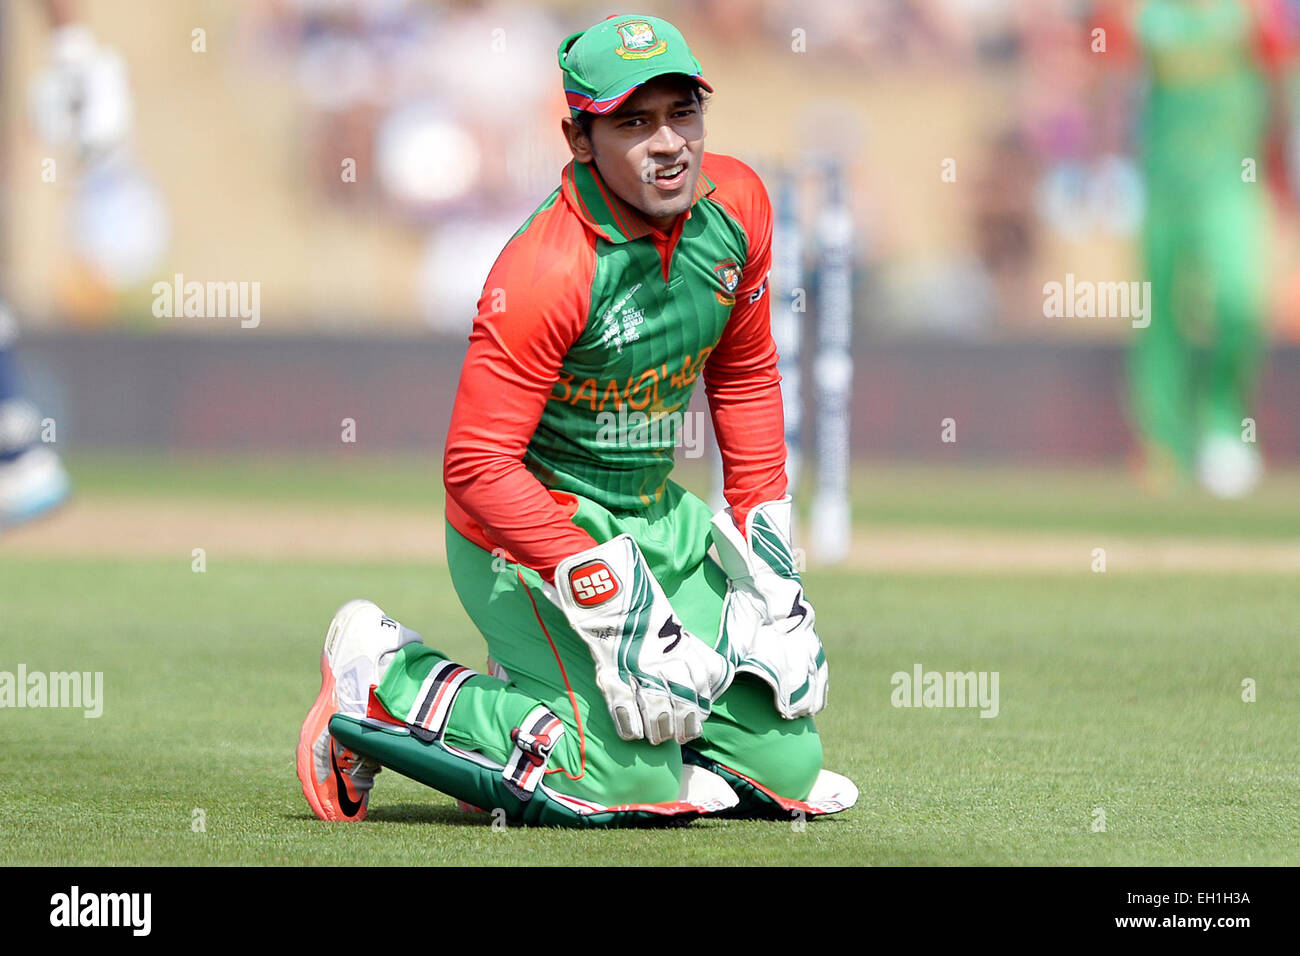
x=365, y=160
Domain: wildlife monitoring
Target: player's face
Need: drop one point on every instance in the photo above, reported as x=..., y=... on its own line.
x=660, y=129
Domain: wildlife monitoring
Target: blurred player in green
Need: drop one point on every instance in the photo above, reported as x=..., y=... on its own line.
x=1213, y=69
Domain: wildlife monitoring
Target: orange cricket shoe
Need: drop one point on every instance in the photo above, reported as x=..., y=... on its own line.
x=335, y=780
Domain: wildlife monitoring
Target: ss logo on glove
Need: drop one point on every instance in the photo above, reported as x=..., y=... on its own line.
x=656, y=689
x=593, y=583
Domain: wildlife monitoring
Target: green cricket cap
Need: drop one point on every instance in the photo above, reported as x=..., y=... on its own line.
x=604, y=64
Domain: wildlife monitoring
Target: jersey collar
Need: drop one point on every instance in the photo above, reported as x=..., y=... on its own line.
x=603, y=212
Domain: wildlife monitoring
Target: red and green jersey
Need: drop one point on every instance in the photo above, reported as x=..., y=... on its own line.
x=591, y=333
x=1208, y=104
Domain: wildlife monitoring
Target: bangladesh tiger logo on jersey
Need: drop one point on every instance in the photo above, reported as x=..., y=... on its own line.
x=729, y=274
x=639, y=41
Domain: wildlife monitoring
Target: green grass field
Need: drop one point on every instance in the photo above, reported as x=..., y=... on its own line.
x=1117, y=692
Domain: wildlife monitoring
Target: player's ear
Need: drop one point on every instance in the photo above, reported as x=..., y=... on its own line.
x=579, y=142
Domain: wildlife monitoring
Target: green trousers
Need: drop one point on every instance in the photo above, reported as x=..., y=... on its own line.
x=547, y=663
x=1193, y=370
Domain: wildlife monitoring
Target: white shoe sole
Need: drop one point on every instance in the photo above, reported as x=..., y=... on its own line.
x=30, y=485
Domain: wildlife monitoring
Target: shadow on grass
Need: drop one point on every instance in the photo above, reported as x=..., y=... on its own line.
x=422, y=813
x=425, y=813
x=411, y=813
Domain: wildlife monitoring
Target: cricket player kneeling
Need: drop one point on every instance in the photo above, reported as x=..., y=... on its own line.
x=633, y=677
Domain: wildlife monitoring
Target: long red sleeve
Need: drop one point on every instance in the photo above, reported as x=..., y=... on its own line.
x=740, y=377
x=534, y=306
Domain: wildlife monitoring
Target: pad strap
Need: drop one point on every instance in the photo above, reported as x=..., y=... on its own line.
x=534, y=740
x=427, y=717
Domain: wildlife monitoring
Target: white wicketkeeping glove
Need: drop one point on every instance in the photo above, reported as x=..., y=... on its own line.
x=767, y=623
x=659, y=680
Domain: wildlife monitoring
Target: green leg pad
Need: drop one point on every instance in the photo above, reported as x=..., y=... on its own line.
x=480, y=783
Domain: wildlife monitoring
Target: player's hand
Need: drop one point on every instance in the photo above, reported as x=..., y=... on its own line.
x=81, y=98
x=768, y=625
x=658, y=679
